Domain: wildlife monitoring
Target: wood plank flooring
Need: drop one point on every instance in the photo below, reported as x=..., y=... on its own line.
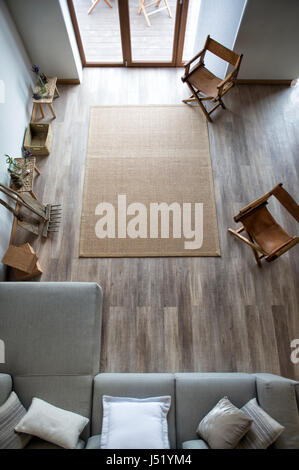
x=185, y=314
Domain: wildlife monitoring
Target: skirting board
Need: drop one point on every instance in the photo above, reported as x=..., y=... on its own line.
x=244, y=81
x=68, y=81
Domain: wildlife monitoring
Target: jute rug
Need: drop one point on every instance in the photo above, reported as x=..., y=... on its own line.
x=148, y=184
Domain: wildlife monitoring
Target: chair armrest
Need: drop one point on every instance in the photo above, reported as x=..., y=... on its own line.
x=227, y=79
x=188, y=64
x=195, y=57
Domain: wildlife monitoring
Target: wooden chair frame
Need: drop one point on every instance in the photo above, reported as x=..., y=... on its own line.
x=143, y=7
x=288, y=203
x=224, y=86
x=95, y=3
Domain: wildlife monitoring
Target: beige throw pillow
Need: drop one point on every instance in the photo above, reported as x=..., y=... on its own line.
x=224, y=426
x=264, y=429
x=52, y=424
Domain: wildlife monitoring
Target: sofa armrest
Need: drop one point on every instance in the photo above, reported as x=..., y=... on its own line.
x=195, y=444
x=94, y=442
x=278, y=396
x=5, y=387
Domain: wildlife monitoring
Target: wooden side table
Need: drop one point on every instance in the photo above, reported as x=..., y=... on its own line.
x=28, y=180
x=47, y=98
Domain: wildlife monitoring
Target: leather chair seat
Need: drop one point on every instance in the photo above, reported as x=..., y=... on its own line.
x=205, y=81
x=265, y=231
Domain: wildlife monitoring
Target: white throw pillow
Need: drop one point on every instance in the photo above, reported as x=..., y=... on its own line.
x=52, y=424
x=132, y=423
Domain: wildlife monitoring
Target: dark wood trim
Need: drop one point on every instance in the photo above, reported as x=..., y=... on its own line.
x=125, y=31
x=77, y=31
x=180, y=40
x=244, y=81
x=176, y=34
x=99, y=64
x=68, y=81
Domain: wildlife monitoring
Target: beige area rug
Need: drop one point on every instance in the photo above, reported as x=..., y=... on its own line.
x=148, y=184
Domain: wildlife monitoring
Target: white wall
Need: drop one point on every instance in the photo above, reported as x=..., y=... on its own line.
x=220, y=19
x=269, y=40
x=15, y=111
x=48, y=35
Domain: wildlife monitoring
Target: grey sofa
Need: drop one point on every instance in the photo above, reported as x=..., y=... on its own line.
x=52, y=343
x=52, y=334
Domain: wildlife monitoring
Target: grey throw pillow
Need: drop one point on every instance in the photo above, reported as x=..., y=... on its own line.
x=264, y=429
x=11, y=413
x=224, y=426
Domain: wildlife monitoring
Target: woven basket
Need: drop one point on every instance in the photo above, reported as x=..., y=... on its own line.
x=38, y=138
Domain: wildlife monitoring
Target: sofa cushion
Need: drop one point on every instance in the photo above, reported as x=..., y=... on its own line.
x=197, y=394
x=195, y=444
x=136, y=386
x=277, y=396
x=42, y=324
x=5, y=387
x=39, y=444
x=94, y=442
x=67, y=392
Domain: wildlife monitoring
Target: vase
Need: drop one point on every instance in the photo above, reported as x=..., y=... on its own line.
x=42, y=87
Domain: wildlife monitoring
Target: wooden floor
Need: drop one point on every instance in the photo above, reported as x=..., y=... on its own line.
x=100, y=32
x=185, y=314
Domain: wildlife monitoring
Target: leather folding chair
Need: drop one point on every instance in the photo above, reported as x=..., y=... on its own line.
x=265, y=236
x=203, y=84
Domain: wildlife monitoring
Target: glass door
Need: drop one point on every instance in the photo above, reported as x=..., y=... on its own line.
x=133, y=32
x=99, y=30
x=152, y=26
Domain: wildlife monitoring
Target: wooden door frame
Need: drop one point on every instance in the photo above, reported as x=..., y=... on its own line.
x=124, y=20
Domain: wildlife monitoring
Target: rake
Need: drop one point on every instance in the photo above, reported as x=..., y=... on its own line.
x=49, y=216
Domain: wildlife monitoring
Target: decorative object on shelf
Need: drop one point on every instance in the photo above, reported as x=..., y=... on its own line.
x=38, y=138
x=44, y=78
x=16, y=170
x=27, y=154
x=14, y=166
x=47, y=218
x=23, y=262
x=39, y=100
x=35, y=69
x=28, y=175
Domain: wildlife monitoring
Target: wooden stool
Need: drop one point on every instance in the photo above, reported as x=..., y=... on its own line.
x=144, y=6
x=51, y=93
x=95, y=3
x=28, y=180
